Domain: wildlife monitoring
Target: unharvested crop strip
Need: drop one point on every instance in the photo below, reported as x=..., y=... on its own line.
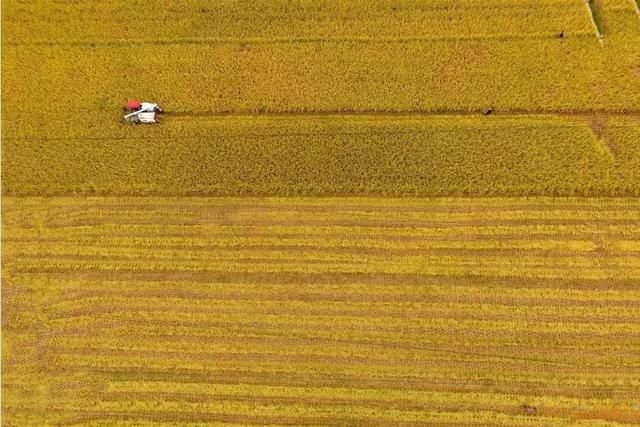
x=334, y=156
x=363, y=113
x=281, y=19
x=265, y=78
x=442, y=112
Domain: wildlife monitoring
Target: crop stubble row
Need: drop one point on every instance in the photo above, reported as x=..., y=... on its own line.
x=323, y=344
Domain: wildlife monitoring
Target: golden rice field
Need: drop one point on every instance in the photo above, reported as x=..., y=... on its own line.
x=356, y=311
x=325, y=229
x=324, y=97
x=322, y=56
x=438, y=156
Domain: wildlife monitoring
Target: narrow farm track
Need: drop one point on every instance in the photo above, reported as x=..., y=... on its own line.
x=318, y=40
x=522, y=113
x=189, y=311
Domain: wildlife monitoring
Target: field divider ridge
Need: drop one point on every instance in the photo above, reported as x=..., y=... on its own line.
x=293, y=40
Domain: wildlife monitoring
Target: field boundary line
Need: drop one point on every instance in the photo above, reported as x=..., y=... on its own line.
x=285, y=40
x=426, y=113
x=593, y=14
x=512, y=112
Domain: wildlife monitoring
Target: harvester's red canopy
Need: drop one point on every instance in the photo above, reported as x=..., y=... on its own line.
x=133, y=104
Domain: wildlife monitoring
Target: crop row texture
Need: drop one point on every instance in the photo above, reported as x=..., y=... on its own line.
x=39, y=21
x=316, y=311
x=334, y=156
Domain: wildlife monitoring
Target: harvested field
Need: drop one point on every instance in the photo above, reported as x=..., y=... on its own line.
x=315, y=311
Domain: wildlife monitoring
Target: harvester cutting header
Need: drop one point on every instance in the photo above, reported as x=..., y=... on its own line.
x=142, y=112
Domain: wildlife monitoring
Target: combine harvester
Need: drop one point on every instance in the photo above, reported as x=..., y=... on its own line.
x=142, y=112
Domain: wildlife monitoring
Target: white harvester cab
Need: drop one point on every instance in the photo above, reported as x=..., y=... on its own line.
x=150, y=106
